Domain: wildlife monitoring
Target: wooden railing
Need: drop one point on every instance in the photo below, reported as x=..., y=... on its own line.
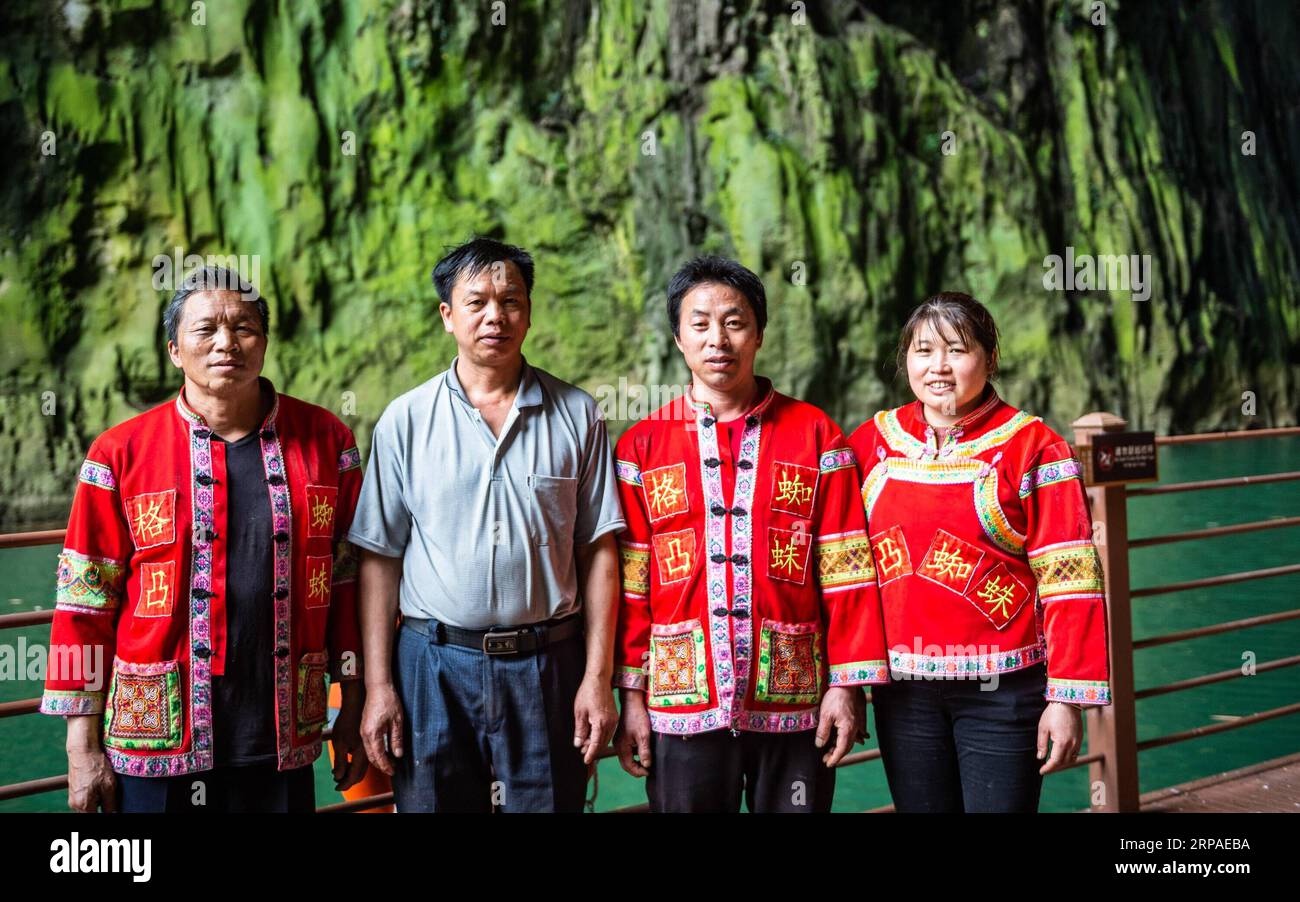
x=1113, y=746
x=1112, y=730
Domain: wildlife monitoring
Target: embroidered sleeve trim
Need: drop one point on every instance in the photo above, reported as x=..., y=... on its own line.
x=635, y=560
x=859, y=673
x=97, y=474
x=1078, y=692
x=1049, y=474
x=628, y=472
x=844, y=561
x=629, y=678
x=88, y=585
x=72, y=702
x=1067, y=568
x=349, y=460
x=839, y=459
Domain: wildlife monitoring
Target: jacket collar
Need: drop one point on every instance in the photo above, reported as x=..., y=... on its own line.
x=765, y=394
x=196, y=419
x=967, y=427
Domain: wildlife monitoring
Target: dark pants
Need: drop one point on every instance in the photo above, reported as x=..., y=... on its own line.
x=485, y=731
x=707, y=772
x=255, y=789
x=949, y=747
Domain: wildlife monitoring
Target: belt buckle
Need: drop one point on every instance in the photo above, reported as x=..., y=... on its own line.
x=505, y=642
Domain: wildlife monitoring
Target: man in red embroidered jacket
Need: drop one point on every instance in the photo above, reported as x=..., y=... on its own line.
x=750, y=614
x=204, y=562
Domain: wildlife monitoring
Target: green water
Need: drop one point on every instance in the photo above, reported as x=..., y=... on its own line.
x=32, y=746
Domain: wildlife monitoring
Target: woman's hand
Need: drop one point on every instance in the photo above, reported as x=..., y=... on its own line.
x=1061, y=724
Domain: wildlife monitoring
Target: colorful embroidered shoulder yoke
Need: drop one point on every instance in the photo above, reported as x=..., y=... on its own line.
x=983, y=549
x=142, y=579
x=748, y=584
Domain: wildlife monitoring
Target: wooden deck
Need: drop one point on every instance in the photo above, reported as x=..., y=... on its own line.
x=1271, y=786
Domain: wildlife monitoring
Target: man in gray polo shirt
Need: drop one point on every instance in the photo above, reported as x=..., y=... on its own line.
x=488, y=515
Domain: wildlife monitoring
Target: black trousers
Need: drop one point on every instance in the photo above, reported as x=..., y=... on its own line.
x=256, y=789
x=709, y=772
x=949, y=746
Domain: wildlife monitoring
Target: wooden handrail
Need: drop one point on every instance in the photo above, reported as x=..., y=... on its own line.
x=25, y=618
x=1222, y=675
x=27, y=539
x=1211, y=532
x=1196, y=437
x=1225, y=579
x=1217, y=628
x=1210, y=729
x=1227, y=483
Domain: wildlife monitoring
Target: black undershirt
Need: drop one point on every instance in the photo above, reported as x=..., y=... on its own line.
x=243, y=701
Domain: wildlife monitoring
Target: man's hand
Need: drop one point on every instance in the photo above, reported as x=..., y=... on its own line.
x=837, y=713
x=594, y=716
x=381, y=719
x=1060, y=723
x=91, y=783
x=632, y=741
x=350, y=762
x=860, y=735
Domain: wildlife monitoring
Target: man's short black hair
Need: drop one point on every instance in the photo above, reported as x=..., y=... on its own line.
x=474, y=256
x=710, y=268
x=213, y=278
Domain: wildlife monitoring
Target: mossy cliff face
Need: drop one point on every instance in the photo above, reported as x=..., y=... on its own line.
x=346, y=143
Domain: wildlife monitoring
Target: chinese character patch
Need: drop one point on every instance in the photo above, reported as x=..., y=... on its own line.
x=153, y=518
x=889, y=548
x=793, y=489
x=950, y=562
x=665, y=491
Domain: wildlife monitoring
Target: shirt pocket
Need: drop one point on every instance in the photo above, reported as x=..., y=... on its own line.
x=143, y=710
x=553, y=509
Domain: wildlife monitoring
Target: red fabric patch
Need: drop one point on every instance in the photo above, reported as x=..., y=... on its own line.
x=675, y=555
x=157, y=590
x=318, y=581
x=787, y=554
x=951, y=562
x=794, y=489
x=153, y=518
x=665, y=491
x=889, y=548
x=999, y=596
x=321, y=502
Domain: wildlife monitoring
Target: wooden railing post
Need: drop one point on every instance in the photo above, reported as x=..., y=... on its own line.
x=1112, y=729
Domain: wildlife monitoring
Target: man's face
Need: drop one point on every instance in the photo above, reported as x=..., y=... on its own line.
x=718, y=335
x=488, y=314
x=219, y=342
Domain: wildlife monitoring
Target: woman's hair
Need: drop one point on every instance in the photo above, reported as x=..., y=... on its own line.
x=953, y=312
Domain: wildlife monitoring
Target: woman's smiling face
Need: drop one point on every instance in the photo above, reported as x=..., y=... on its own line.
x=947, y=373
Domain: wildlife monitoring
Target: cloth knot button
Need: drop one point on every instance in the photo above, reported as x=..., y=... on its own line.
x=282, y=651
x=268, y=435
x=718, y=510
x=202, y=651
x=203, y=479
x=746, y=465
x=281, y=594
x=707, y=422
x=281, y=537
x=275, y=479
x=712, y=462
x=751, y=421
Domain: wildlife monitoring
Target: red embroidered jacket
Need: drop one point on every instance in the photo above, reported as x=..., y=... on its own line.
x=142, y=576
x=738, y=611
x=983, y=549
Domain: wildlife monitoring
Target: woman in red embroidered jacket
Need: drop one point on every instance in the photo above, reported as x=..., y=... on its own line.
x=204, y=586
x=995, y=613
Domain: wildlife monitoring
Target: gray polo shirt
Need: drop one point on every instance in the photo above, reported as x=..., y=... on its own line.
x=486, y=527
